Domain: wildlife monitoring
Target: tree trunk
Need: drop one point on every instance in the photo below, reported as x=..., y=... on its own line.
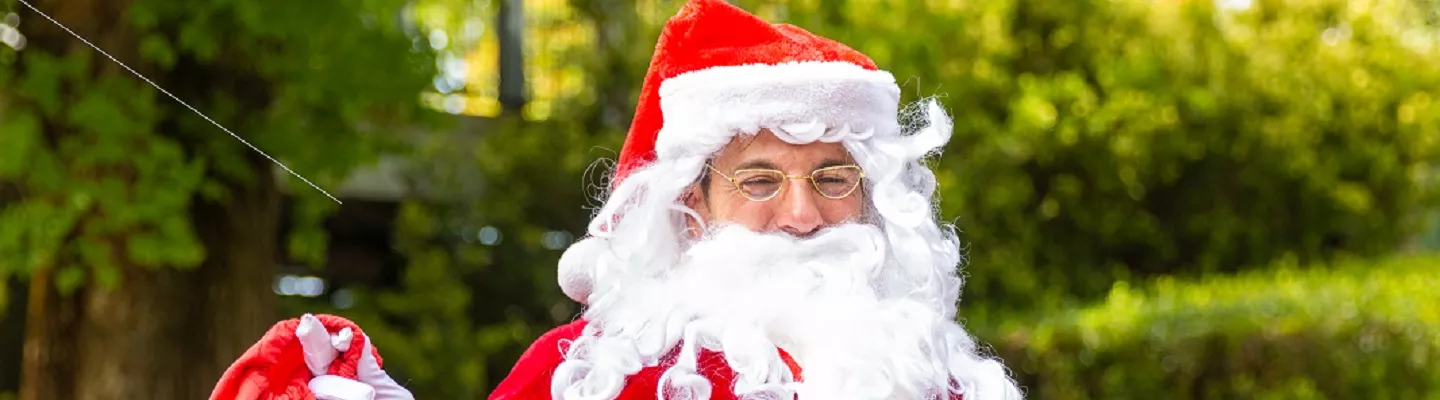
x=162, y=333
x=236, y=280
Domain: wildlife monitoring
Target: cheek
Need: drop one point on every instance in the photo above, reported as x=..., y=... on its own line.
x=753, y=215
x=845, y=210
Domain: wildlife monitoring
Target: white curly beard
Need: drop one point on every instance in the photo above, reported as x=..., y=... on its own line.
x=822, y=299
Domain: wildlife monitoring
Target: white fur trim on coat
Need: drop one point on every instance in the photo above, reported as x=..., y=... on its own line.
x=824, y=101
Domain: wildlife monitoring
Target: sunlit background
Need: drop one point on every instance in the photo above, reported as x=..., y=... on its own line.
x=1158, y=199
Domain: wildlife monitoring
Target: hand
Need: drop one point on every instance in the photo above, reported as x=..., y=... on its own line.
x=322, y=347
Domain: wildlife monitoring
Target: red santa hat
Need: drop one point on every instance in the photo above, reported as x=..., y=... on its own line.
x=718, y=71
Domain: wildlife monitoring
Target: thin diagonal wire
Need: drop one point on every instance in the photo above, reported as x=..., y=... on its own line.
x=177, y=99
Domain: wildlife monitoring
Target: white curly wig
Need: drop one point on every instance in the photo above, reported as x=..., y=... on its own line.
x=868, y=307
x=638, y=238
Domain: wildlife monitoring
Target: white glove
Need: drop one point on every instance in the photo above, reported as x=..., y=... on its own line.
x=321, y=348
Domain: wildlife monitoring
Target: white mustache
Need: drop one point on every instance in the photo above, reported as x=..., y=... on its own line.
x=739, y=273
x=852, y=244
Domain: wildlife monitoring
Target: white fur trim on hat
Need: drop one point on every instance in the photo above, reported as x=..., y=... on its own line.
x=811, y=101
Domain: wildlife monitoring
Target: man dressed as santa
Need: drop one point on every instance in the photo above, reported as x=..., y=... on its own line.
x=769, y=234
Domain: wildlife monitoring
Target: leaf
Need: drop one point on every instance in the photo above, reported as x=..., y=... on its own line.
x=157, y=48
x=227, y=161
x=19, y=139
x=95, y=252
x=187, y=252
x=107, y=277
x=177, y=244
x=37, y=229
x=41, y=81
x=197, y=37
x=145, y=249
x=307, y=245
x=47, y=174
x=100, y=112
x=144, y=15
x=15, y=250
x=1352, y=196
x=214, y=191
x=68, y=279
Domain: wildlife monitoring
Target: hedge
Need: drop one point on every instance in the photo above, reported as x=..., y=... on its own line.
x=1358, y=330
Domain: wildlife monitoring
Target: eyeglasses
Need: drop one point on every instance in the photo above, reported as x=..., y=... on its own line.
x=834, y=183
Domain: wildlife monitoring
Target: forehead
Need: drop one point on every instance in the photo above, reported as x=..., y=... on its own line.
x=765, y=147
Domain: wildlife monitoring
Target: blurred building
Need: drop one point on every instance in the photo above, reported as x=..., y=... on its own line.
x=490, y=65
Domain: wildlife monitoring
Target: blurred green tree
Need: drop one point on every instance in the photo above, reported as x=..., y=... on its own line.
x=480, y=284
x=148, y=234
x=1099, y=141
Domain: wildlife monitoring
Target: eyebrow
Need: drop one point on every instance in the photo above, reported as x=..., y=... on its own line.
x=764, y=164
x=756, y=164
x=831, y=162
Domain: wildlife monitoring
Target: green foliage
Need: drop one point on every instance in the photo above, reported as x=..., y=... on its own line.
x=107, y=168
x=1101, y=140
x=21, y=139
x=1354, y=330
x=467, y=308
x=424, y=329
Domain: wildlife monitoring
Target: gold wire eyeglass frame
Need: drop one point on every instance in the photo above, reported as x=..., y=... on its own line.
x=860, y=176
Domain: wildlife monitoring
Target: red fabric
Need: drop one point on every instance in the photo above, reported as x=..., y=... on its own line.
x=794, y=366
x=274, y=368
x=713, y=33
x=531, y=376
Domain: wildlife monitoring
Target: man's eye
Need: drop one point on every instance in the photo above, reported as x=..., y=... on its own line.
x=759, y=182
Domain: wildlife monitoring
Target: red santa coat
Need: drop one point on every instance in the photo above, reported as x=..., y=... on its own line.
x=530, y=378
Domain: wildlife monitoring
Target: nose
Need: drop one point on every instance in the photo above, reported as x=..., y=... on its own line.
x=799, y=212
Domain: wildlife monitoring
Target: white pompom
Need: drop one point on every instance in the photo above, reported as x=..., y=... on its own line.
x=576, y=274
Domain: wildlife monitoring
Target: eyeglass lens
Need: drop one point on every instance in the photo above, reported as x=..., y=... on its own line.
x=830, y=182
